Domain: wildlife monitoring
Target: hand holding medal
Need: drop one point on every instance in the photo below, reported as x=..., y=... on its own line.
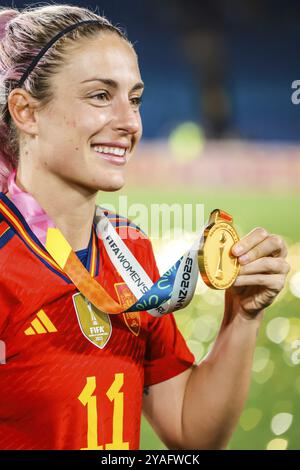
x=255, y=269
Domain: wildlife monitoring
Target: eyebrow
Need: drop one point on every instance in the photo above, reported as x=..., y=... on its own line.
x=113, y=83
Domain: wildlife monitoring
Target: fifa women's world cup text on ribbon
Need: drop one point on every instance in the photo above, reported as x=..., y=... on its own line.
x=175, y=288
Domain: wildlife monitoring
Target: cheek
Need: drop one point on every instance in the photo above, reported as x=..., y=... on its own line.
x=70, y=126
x=56, y=129
x=89, y=123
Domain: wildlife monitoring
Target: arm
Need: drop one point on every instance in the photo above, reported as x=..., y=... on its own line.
x=220, y=385
x=200, y=408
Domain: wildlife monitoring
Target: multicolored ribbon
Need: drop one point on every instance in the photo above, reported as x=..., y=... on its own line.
x=173, y=291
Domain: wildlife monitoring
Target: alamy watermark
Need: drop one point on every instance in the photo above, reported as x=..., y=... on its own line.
x=159, y=221
x=295, y=96
x=295, y=356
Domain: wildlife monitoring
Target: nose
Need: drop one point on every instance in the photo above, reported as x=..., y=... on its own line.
x=127, y=118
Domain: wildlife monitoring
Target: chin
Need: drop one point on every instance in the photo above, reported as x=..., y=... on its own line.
x=114, y=183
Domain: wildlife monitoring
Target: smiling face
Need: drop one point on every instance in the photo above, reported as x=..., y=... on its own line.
x=91, y=127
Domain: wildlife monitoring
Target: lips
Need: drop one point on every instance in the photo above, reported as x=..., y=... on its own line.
x=110, y=156
x=113, y=143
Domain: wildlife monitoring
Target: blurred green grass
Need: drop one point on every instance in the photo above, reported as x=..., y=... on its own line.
x=276, y=212
x=276, y=387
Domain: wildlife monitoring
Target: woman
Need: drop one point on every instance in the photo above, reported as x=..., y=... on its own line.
x=71, y=90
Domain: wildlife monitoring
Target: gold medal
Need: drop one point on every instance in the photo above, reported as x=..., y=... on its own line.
x=218, y=267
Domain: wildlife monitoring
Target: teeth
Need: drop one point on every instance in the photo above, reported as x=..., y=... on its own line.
x=112, y=150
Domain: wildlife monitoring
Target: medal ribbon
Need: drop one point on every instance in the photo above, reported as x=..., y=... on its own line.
x=173, y=291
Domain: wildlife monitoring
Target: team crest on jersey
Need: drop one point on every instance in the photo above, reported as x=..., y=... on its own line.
x=94, y=324
x=126, y=299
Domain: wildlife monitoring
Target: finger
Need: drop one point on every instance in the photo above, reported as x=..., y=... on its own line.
x=249, y=241
x=273, y=245
x=266, y=265
x=271, y=281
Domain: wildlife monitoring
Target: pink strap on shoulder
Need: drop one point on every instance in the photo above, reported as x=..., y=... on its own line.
x=32, y=212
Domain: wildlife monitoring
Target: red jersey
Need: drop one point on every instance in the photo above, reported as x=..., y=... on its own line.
x=59, y=390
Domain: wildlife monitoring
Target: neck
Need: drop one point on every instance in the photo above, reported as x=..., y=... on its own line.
x=70, y=207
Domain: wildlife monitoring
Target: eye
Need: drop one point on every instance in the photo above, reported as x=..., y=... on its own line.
x=136, y=101
x=104, y=96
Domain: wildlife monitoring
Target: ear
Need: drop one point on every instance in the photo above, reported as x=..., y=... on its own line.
x=22, y=108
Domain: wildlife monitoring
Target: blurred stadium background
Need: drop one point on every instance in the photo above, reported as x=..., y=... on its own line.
x=220, y=128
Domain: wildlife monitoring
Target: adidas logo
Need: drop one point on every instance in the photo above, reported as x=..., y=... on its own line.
x=40, y=325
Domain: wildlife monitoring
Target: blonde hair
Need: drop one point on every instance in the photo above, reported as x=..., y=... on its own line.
x=22, y=35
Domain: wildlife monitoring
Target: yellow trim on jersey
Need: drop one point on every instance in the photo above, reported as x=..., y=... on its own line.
x=28, y=239
x=93, y=257
x=58, y=246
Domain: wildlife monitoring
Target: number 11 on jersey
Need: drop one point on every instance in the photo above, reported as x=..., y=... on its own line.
x=89, y=400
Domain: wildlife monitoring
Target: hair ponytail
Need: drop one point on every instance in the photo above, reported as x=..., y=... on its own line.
x=7, y=157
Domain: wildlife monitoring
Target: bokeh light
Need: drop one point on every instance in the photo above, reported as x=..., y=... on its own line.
x=169, y=250
x=277, y=329
x=261, y=359
x=250, y=418
x=294, y=284
x=205, y=328
x=277, y=444
x=294, y=331
x=186, y=142
x=281, y=422
x=265, y=374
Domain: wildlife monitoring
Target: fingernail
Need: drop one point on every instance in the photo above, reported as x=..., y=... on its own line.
x=238, y=249
x=243, y=259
